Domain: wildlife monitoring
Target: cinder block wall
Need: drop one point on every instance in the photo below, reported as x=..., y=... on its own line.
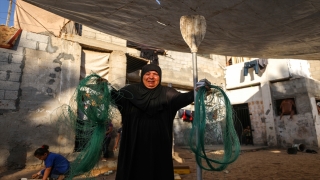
x=37, y=77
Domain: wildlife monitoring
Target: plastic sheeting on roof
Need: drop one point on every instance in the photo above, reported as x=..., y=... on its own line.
x=34, y=19
x=246, y=28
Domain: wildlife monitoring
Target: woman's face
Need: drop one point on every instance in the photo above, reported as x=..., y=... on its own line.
x=151, y=79
x=42, y=157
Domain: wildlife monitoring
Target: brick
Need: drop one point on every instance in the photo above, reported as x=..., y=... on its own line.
x=7, y=104
x=9, y=85
x=1, y=94
x=11, y=95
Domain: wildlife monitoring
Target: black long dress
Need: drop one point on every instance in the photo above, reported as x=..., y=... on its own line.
x=146, y=143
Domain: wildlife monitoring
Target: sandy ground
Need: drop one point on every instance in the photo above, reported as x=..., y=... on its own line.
x=262, y=164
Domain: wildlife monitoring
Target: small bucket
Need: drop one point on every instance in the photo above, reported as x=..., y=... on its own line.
x=292, y=150
x=300, y=147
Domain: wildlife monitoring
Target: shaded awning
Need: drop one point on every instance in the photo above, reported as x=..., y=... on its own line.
x=135, y=63
x=251, y=28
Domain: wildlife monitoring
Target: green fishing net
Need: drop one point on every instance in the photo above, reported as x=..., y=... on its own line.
x=215, y=110
x=87, y=117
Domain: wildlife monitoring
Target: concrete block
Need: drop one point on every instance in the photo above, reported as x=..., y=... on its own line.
x=43, y=46
x=14, y=77
x=11, y=76
x=9, y=85
x=7, y=104
x=11, y=95
x=3, y=56
x=37, y=37
x=16, y=58
x=24, y=35
x=10, y=57
x=3, y=75
x=27, y=44
x=17, y=51
x=13, y=67
x=1, y=94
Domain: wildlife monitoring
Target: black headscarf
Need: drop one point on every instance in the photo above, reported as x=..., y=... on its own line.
x=147, y=100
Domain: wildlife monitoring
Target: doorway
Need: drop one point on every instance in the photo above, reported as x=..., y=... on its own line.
x=241, y=120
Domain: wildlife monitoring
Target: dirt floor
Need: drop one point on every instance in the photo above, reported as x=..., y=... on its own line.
x=262, y=164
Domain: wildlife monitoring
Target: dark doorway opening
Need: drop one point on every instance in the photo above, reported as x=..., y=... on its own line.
x=241, y=119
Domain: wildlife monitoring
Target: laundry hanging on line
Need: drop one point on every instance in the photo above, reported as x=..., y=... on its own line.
x=251, y=64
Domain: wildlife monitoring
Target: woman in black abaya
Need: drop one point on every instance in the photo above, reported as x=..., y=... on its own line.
x=148, y=110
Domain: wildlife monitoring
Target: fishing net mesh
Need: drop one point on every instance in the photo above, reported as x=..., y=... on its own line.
x=216, y=111
x=86, y=117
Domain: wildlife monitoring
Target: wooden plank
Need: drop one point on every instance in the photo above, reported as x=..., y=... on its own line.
x=181, y=169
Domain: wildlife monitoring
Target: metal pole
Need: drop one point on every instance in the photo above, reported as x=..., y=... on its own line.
x=195, y=80
x=9, y=13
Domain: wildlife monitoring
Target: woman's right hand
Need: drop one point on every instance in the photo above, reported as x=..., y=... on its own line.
x=35, y=176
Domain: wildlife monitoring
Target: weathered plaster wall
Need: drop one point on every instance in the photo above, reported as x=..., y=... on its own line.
x=41, y=74
x=252, y=96
x=301, y=128
x=313, y=87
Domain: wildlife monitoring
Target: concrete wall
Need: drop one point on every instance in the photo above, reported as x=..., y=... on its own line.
x=41, y=74
x=302, y=127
